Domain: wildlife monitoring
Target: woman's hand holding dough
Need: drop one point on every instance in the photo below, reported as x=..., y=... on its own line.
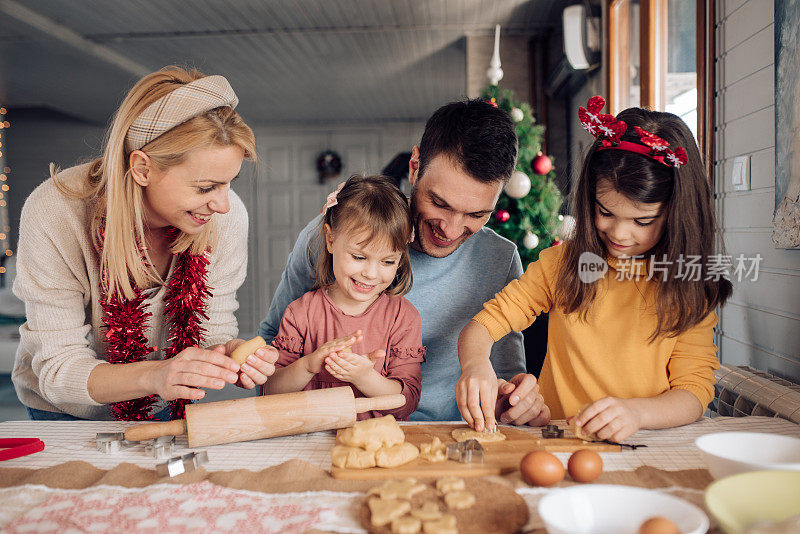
x=246, y=348
x=257, y=361
x=184, y=375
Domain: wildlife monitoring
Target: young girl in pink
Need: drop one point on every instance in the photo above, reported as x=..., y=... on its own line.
x=355, y=328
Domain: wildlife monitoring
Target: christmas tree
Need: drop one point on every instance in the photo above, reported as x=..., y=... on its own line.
x=527, y=212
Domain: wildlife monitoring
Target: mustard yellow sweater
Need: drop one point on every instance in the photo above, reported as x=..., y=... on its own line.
x=608, y=354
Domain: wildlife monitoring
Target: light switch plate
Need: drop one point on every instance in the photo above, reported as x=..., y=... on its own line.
x=740, y=177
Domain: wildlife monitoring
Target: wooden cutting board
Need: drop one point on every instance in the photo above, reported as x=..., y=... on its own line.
x=499, y=458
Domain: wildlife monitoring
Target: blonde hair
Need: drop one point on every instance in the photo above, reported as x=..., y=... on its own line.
x=118, y=199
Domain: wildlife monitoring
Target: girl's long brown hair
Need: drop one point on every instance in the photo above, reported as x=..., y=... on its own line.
x=689, y=227
x=375, y=207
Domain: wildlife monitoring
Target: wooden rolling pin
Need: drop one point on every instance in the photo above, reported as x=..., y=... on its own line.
x=267, y=416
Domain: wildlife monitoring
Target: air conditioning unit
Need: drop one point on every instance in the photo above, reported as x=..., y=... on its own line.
x=581, y=37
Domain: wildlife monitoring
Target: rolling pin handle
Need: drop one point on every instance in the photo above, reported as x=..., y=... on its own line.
x=382, y=402
x=156, y=430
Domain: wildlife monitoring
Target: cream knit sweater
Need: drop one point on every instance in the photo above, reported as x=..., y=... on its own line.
x=58, y=279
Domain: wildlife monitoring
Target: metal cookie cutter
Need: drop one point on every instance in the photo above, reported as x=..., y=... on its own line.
x=160, y=448
x=552, y=431
x=182, y=464
x=110, y=442
x=465, y=451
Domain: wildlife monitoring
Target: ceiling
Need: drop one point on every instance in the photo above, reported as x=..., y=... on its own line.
x=289, y=61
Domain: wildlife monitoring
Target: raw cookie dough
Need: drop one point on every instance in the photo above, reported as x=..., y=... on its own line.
x=406, y=525
x=444, y=525
x=240, y=353
x=459, y=500
x=372, y=434
x=396, y=455
x=463, y=434
x=435, y=451
x=398, y=489
x=427, y=512
x=448, y=484
x=384, y=511
x=343, y=456
x=578, y=431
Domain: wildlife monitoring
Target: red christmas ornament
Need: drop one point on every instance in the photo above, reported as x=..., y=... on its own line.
x=492, y=101
x=556, y=242
x=541, y=164
x=502, y=215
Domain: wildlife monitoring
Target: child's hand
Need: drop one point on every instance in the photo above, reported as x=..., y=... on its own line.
x=351, y=367
x=316, y=359
x=476, y=395
x=610, y=418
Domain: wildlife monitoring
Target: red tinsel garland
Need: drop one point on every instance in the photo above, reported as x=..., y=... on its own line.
x=185, y=305
x=125, y=320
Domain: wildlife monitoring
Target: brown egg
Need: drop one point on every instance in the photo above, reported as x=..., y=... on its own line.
x=540, y=468
x=658, y=525
x=585, y=466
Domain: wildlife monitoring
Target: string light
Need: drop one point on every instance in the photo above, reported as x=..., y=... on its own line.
x=4, y=124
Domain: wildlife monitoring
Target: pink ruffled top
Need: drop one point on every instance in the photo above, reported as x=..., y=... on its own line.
x=390, y=323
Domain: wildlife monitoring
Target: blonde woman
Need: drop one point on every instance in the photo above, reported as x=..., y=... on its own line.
x=129, y=265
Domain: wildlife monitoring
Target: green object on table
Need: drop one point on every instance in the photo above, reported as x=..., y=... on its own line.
x=738, y=501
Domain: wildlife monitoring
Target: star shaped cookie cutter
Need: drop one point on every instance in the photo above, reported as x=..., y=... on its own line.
x=469, y=451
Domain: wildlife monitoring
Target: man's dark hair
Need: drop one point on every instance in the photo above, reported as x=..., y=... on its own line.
x=476, y=136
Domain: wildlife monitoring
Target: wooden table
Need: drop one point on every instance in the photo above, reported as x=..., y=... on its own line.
x=667, y=450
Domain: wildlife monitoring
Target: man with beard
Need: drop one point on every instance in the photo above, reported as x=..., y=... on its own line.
x=467, y=154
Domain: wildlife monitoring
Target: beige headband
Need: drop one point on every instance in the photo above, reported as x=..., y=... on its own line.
x=179, y=106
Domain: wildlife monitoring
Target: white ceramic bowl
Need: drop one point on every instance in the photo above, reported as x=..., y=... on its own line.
x=728, y=453
x=606, y=508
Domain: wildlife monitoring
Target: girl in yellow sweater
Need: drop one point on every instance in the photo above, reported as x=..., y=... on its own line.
x=631, y=296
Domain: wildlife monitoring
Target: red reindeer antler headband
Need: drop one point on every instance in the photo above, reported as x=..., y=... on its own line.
x=609, y=131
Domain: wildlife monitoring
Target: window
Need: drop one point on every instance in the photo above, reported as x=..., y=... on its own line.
x=625, y=84
x=658, y=51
